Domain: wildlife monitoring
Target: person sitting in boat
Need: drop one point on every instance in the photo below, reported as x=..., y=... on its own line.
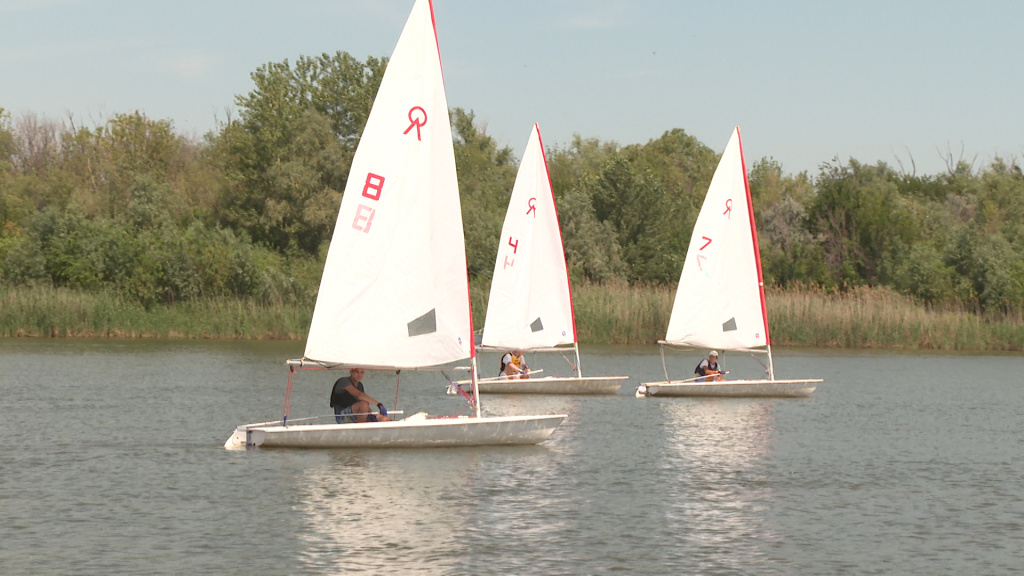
x=513, y=365
x=351, y=403
x=708, y=370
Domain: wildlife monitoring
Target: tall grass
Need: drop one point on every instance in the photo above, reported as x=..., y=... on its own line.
x=605, y=314
x=58, y=312
x=807, y=317
x=880, y=318
x=620, y=314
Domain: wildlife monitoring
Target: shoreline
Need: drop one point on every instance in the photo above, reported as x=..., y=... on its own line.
x=862, y=318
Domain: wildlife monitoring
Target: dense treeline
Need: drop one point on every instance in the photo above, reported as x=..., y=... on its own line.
x=134, y=208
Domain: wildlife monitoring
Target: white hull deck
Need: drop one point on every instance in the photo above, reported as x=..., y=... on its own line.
x=731, y=388
x=417, y=431
x=554, y=385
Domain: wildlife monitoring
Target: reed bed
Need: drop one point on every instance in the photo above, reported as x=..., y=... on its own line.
x=880, y=318
x=62, y=313
x=620, y=314
x=605, y=314
x=807, y=317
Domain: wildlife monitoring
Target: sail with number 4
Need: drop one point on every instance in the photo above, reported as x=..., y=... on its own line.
x=720, y=301
x=394, y=291
x=530, y=303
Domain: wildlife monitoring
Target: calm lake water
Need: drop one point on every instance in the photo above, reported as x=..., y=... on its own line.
x=112, y=463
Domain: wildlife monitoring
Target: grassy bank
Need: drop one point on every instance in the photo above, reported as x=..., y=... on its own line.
x=861, y=318
x=880, y=318
x=66, y=313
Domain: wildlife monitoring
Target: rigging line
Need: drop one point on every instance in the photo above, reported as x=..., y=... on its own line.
x=332, y=416
x=288, y=396
x=663, y=365
x=571, y=365
x=453, y=386
x=758, y=360
x=398, y=383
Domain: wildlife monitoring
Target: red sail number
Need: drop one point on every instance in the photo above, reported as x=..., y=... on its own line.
x=417, y=119
x=373, y=187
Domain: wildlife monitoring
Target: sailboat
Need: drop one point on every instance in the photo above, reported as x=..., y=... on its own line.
x=530, y=303
x=395, y=290
x=720, y=301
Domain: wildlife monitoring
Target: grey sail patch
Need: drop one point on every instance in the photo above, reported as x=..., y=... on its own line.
x=730, y=325
x=426, y=324
x=537, y=325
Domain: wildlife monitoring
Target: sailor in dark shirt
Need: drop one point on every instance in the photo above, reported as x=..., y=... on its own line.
x=351, y=403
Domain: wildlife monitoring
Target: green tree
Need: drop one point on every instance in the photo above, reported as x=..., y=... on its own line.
x=990, y=270
x=790, y=254
x=857, y=215
x=12, y=208
x=7, y=143
x=627, y=213
x=288, y=156
x=647, y=224
x=1000, y=194
x=487, y=174
x=592, y=249
x=580, y=159
x=680, y=163
x=99, y=166
x=924, y=274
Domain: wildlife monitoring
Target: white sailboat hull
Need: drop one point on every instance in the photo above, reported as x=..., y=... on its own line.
x=731, y=388
x=412, y=432
x=593, y=385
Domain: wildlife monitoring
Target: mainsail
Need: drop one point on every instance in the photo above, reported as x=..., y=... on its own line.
x=530, y=305
x=720, y=300
x=395, y=291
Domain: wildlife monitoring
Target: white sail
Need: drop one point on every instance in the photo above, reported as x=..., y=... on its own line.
x=394, y=291
x=530, y=305
x=720, y=300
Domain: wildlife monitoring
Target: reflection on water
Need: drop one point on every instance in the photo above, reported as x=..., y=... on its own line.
x=718, y=447
x=407, y=513
x=429, y=511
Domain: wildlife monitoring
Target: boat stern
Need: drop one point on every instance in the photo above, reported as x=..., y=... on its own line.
x=239, y=440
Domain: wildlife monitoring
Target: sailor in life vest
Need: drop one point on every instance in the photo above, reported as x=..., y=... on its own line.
x=708, y=370
x=513, y=365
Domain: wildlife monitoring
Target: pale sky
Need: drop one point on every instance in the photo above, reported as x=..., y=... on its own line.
x=806, y=80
